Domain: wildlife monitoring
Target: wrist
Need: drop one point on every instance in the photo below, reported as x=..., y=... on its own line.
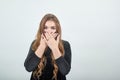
x=40, y=51
x=55, y=49
x=56, y=53
x=41, y=46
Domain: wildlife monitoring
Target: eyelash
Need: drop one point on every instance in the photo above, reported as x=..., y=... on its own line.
x=51, y=27
x=45, y=27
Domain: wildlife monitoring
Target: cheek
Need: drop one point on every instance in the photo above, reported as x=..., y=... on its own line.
x=53, y=31
x=45, y=30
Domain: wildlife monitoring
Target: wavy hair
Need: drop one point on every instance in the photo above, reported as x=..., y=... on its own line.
x=35, y=45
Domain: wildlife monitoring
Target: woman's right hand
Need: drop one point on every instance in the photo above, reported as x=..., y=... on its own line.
x=41, y=48
x=42, y=42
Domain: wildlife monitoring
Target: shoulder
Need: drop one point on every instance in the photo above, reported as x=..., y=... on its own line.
x=33, y=42
x=67, y=48
x=66, y=43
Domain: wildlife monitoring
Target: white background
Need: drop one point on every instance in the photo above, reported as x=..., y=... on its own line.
x=91, y=26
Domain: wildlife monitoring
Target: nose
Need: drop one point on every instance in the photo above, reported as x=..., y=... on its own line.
x=49, y=31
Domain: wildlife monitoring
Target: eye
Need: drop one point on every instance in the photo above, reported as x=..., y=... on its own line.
x=45, y=27
x=53, y=27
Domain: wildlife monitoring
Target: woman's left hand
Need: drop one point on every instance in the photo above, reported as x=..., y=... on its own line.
x=51, y=41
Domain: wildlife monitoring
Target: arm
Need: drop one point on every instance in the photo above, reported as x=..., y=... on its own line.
x=64, y=62
x=32, y=60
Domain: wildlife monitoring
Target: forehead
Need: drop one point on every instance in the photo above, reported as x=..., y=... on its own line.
x=50, y=23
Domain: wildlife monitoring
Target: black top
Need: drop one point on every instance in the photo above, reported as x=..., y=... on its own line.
x=63, y=63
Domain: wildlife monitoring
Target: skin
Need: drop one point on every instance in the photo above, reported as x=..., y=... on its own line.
x=48, y=39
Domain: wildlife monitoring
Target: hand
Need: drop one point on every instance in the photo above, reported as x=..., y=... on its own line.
x=53, y=44
x=41, y=48
x=51, y=41
x=42, y=41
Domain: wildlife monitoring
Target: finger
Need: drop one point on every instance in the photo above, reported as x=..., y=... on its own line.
x=55, y=35
x=50, y=35
x=47, y=36
x=42, y=36
x=44, y=39
x=58, y=38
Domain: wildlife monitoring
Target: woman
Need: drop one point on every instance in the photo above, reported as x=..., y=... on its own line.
x=49, y=57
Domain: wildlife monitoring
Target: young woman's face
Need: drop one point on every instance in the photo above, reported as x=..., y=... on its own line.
x=50, y=27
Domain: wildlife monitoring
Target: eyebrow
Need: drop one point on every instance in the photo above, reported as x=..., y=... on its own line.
x=50, y=26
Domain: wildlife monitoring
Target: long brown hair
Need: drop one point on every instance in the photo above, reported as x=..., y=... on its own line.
x=35, y=45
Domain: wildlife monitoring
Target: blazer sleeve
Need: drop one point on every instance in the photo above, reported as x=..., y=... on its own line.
x=64, y=62
x=31, y=61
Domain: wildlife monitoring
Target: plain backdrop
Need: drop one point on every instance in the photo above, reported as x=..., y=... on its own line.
x=91, y=26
